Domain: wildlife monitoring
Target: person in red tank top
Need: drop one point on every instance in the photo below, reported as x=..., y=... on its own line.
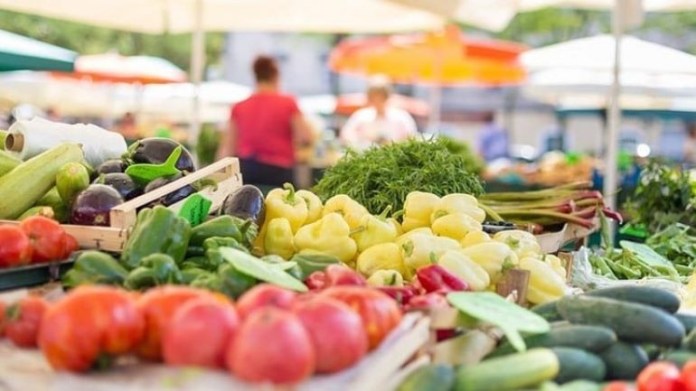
x=265, y=128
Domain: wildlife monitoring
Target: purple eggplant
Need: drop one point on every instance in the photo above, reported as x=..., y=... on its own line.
x=245, y=203
x=122, y=183
x=93, y=205
x=111, y=166
x=171, y=198
x=156, y=150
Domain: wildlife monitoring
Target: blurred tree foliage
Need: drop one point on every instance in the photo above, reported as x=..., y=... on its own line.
x=88, y=39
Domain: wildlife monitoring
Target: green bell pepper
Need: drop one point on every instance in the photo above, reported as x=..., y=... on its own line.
x=190, y=274
x=243, y=231
x=155, y=269
x=312, y=261
x=207, y=280
x=216, y=242
x=157, y=230
x=233, y=282
x=95, y=267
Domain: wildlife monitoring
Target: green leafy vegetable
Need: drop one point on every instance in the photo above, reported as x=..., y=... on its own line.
x=144, y=173
x=676, y=243
x=509, y=317
x=383, y=176
x=264, y=271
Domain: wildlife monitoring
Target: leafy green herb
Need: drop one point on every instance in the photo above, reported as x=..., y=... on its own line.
x=383, y=176
x=677, y=243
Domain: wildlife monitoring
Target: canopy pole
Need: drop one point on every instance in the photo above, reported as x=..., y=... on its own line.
x=197, y=65
x=614, y=115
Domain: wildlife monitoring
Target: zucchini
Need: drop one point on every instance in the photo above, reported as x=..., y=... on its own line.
x=52, y=199
x=72, y=178
x=624, y=361
x=679, y=357
x=7, y=162
x=45, y=211
x=688, y=320
x=647, y=295
x=432, y=377
x=548, y=311
x=590, y=338
x=689, y=342
x=653, y=351
x=511, y=372
x=28, y=182
x=630, y=321
x=3, y=136
x=577, y=364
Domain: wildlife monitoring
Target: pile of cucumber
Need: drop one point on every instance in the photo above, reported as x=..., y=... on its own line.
x=606, y=334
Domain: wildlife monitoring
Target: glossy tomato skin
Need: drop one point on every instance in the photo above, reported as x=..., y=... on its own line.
x=15, y=248
x=264, y=295
x=24, y=320
x=271, y=346
x=46, y=238
x=211, y=322
x=688, y=376
x=69, y=245
x=380, y=313
x=158, y=306
x=618, y=386
x=88, y=322
x=336, y=332
x=660, y=376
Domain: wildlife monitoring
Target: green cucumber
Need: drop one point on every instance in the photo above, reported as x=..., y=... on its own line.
x=630, y=321
x=511, y=372
x=647, y=295
x=624, y=361
x=7, y=162
x=679, y=357
x=577, y=364
x=72, y=178
x=431, y=377
x=28, y=182
x=590, y=338
x=653, y=351
x=60, y=209
x=689, y=342
x=548, y=311
x=688, y=320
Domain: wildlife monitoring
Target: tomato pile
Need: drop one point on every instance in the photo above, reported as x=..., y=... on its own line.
x=269, y=335
x=36, y=239
x=660, y=376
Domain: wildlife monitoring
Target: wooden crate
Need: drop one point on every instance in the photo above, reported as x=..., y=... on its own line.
x=122, y=218
x=28, y=370
x=552, y=242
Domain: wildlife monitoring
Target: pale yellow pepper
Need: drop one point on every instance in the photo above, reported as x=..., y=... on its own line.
x=347, y=207
x=556, y=264
x=403, y=238
x=330, y=235
x=421, y=250
x=544, y=284
x=523, y=243
x=279, y=239
x=455, y=226
x=418, y=207
x=374, y=230
x=314, y=205
x=458, y=203
x=475, y=237
x=383, y=256
x=455, y=262
x=494, y=257
x=385, y=278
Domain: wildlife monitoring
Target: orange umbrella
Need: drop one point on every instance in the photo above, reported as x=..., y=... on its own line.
x=111, y=67
x=438, y=58
x=346, y=104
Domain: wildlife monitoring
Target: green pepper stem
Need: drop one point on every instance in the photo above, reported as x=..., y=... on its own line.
x=290, y=197
x=385, y=212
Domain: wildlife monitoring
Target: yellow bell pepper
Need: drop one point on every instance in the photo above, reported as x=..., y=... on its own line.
x=350, y=209
x=374, y=230
x=285, y=203
x=314, y=205
x=279, y=239
x=330, y=235
x=523, y=243
x=421, y=250
x=493, y=256
x=556, y=264
x=403, y=238
x=418, y=207
x=544, y=284
x=474, y=237
x=385, y=278
x=455, y=226
x=455, y=262
x=458, y=203
x=397, y=226
x=383, y=256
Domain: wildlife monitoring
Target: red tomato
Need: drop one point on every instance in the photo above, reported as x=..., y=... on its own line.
x=618, y=386
x=380, y=313
x=15, y=249
x=660, y=376
x=23, y=321
x=688, y=376
x=159, y=305
x=90, y=321
x=69, y=245
x=264, y=295
x=46, y=237
x=212, y=322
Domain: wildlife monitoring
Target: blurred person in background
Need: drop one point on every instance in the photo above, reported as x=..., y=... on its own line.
x=690, y=144
x=265, y=129
x=493, y=140
x=378, y=123
x=127, y=127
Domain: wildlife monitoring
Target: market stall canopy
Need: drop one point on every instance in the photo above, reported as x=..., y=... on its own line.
x=441, y=58
x=179, y=16
x=112, y=67
x=22, y=53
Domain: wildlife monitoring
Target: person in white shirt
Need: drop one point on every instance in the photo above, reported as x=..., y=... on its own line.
x=378, y=123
